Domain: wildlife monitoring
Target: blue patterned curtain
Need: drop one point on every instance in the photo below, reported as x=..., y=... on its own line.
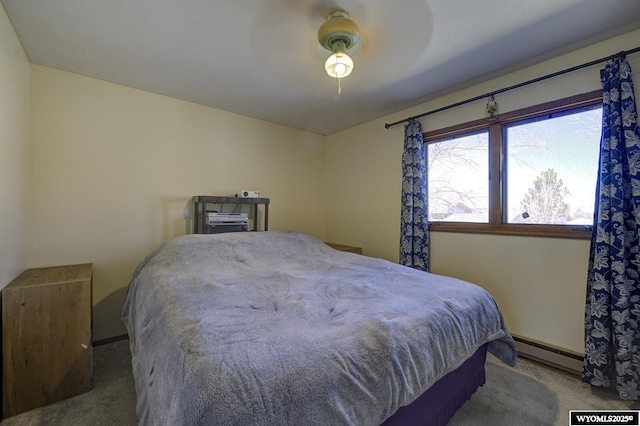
x=414, y=228
x=612, y=320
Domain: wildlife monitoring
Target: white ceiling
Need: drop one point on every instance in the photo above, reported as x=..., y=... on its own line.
x=262, y=58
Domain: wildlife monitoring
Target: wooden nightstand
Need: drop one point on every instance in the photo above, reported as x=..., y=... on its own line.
x=341, y=247
x=46, y=337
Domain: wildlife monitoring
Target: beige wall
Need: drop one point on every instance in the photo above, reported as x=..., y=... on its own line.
x=539, y=283
x=14, y=150
x=113, y=170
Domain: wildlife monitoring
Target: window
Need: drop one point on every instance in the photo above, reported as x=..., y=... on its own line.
x=531, y=172
x=455, y=196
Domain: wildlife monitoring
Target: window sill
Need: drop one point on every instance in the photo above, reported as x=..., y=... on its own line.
x=561, y=231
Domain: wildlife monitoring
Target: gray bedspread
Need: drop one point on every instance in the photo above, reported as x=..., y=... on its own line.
x=277, y=328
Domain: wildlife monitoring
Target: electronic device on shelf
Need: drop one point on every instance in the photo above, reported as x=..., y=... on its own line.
x=227, y=222
x=206, y=223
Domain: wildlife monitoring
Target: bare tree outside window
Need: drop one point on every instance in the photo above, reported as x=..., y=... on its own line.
x=458, y=179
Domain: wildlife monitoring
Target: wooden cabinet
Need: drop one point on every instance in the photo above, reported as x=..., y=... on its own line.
x=342, y=247
x=46, y=337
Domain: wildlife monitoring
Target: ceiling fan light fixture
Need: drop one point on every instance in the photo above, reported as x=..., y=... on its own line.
x=338, y=34
x=338, y=65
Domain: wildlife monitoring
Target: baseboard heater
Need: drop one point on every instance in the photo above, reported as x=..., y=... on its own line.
x=546, y=354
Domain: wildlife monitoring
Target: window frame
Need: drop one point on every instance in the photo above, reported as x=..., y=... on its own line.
x=496, y=171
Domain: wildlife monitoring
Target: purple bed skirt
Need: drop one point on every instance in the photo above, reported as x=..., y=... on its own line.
x=438, y=404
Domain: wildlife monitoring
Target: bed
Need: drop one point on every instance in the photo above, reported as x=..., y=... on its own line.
x=277, y=328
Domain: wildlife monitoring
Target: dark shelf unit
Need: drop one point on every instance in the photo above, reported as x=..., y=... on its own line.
x=200, y=225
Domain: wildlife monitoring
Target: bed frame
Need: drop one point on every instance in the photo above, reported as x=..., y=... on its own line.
x=438, y=404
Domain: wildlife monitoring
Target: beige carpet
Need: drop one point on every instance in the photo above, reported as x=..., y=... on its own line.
x=531, y=394
x=528, y=394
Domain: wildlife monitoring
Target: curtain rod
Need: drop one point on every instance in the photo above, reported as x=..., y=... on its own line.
x=515, y=86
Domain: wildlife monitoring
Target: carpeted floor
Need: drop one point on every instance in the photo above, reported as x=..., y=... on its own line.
x=527, y=395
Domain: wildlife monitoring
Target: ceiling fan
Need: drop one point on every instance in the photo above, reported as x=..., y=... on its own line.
x=338, y=34
x=292, y=40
